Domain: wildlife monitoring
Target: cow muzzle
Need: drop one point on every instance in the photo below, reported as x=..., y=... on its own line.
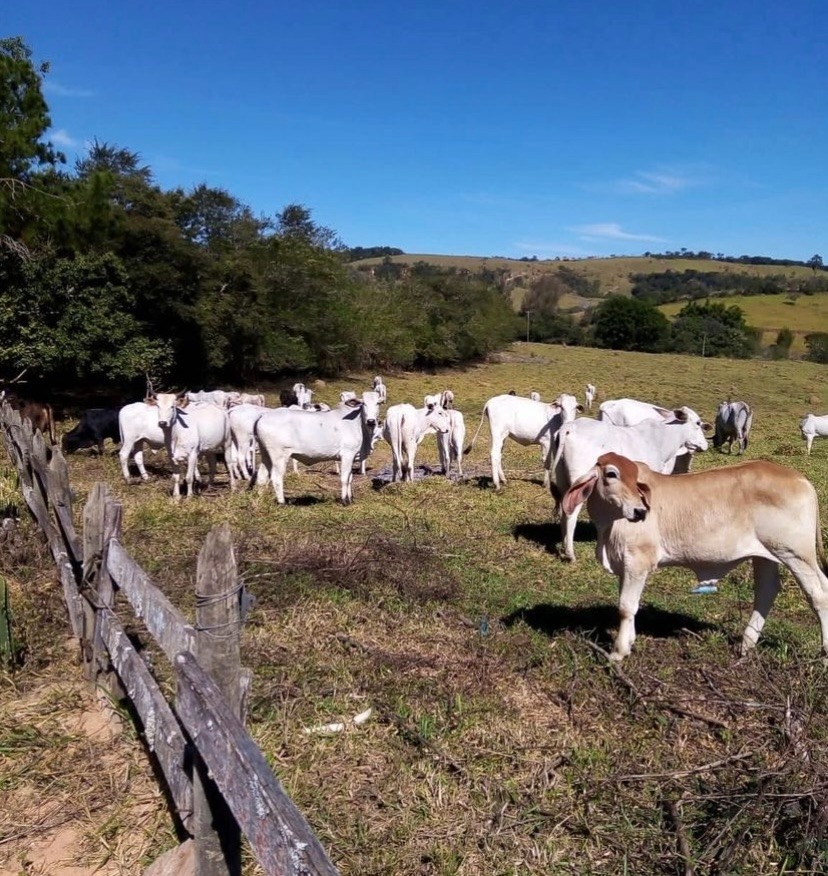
x=639, y=514
x=371, y=423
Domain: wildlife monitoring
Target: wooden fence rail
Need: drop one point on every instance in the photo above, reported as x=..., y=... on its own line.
x=218, y=781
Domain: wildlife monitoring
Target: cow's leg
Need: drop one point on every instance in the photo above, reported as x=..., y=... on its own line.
x=346, y=478
x=810, y=440
x=458, y=456
x=211, y=467
x=766, y=585
x=295, y=467
x=632, y=586
x=568, y=524
x=138, y=457
x=497, y=469
x=123, y=455
x=277, y=477
x=814, y=585
x=411, y=454
x=444, y=449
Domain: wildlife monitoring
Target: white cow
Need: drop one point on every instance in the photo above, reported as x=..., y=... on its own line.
x=197, y=430
x=589, y=395
x=139, y=424
x=303, y=394
x=709, y=522
x=404, y=428
x=451, y=443
x=243, y=419
x=527, y=422
x=579, y=444
x=247, y=398
x=733, y=422
x=316, y=436
x=813, y=426
x=631, y=412
x=381, y=390
x=222, y=398
x=535, y=396
x=447, y=399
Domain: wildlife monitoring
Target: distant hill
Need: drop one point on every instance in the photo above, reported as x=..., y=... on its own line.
x=612, y=273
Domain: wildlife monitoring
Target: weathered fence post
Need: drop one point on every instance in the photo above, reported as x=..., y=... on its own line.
x=216, y=833
x=101, y=523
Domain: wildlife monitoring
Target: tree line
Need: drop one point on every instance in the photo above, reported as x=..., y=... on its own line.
x=106, y=276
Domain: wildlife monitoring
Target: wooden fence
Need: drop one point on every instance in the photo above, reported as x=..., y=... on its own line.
x=217, y=779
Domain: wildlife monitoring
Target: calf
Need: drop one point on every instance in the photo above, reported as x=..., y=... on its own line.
x=380, y=388
x=94, y=427
x=197, y=430
x=39, y=414
x=733, y=423
x=316, y=436
x=580, y=443
x=451, y=443
x=404, y=428
x=589, y=395
x=709, y=522
x=812, y=427
x=140, y=423
x=527, y=422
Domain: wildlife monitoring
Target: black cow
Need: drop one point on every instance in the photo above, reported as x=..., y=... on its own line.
x=96, y=425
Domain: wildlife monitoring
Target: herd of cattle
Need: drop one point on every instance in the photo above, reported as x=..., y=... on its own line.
x=645, y=518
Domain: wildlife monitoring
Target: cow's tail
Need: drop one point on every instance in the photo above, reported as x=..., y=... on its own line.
x=397, y=447
x=483, y=415
x=748, y=424
x=50, y=422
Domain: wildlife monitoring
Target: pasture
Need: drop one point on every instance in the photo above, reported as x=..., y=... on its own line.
x=501, y=740
x=805, y=314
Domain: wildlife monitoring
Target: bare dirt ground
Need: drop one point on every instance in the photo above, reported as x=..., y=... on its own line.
x=78, y=792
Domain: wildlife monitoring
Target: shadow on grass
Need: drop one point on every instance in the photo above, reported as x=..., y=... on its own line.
x=654, y=622
x=548, y=535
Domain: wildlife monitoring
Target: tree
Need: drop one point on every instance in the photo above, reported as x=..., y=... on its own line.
x=24, y=115
x=714, y=329
x=630, y=324
x=817, y=344
x=815, y=262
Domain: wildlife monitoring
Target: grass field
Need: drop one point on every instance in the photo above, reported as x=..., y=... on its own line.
x=501, y=741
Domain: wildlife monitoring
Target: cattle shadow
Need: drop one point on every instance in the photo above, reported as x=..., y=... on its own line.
x=548, y=535
x=551, y=620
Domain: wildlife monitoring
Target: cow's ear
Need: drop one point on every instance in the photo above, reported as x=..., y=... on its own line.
x=707, y=427
x=579, y=408
x=353, y=403
x=680, y=415
x=150, y=400
x=646, y=494
x=579, y=492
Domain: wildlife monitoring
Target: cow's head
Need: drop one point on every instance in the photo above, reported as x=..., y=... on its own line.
x=168, y=403
x=438, y=420
x=431, y=401
x=615, y=480
x=569, y=407
x=370, y=408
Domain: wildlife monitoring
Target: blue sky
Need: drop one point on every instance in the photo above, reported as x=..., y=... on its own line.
x=514, y=129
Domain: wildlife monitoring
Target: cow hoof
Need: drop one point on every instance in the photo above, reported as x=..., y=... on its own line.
x=145, y=477
x=616, y=657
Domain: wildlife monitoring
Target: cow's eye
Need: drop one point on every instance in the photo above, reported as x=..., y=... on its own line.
x=610, y=473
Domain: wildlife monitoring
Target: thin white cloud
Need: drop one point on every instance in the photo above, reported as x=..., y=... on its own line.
x=64, y=91
x=609, y=231
x=654, y=183
x=60, y=137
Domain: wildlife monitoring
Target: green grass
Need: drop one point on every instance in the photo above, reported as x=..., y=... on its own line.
x=519, y=748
